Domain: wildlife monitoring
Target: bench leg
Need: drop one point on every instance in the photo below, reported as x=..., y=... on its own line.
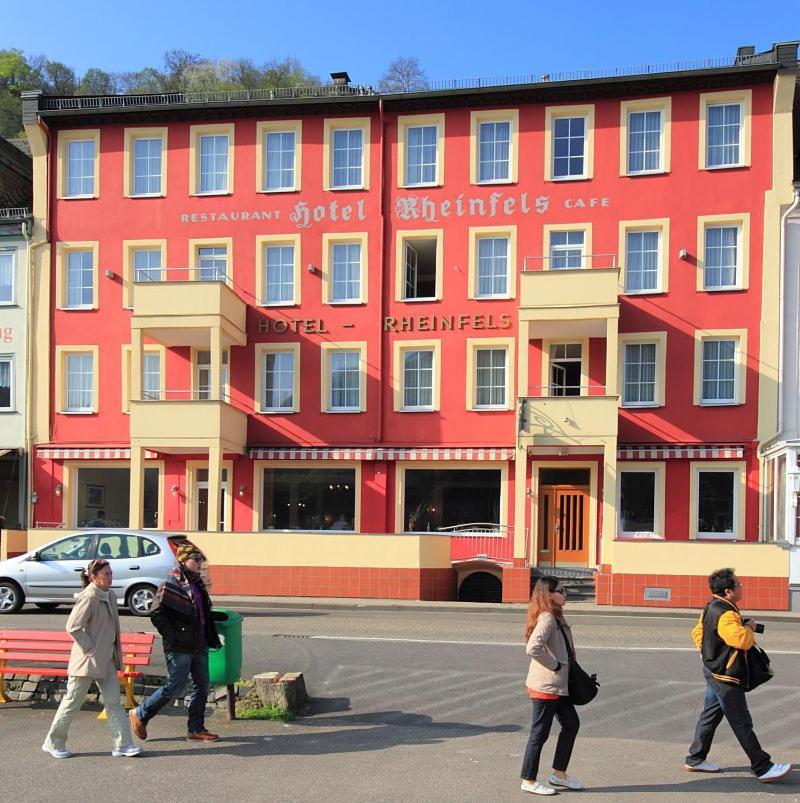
x=3, y=698
x=130, y=700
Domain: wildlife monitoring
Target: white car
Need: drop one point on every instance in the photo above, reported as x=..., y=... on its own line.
x=50, y=575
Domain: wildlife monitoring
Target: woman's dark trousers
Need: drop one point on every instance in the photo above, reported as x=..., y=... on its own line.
x=543, y=712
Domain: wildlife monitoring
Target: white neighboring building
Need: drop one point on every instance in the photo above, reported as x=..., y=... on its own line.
x=15, y=228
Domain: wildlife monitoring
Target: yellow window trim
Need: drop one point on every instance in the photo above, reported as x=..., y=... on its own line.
x=62, y=162
x=640, y=467
x=332, y=124
x=494, y=116
x=743, y=97
x=210, y=242
x=150, y=348
x=406, y=121
x=398, y=374
x=740, y=219
x=402, y=238
x=63, y=249
x=660, y=224
x=740, y=489
x=474, y=234
x=274, y=126
x=260, y=466
x=191, y=489
x=545, y=380
x=660, y=339
x=550, y=115
x=197, y=131
x=326, y=349
x=475, y=343
x=131, y=135
x=62, y=352
x=261, y=351
x=128, y=248
x=740, y=335
x=453, y=465
x=547, y=232
x=328, y=241
x=626, y=108
x=263, y=241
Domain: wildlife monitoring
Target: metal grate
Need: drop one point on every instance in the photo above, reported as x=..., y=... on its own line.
x=14, y=211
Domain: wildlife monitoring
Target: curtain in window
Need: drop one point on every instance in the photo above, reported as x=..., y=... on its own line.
x=6, y=276
x=417, y=378
x=279, y=274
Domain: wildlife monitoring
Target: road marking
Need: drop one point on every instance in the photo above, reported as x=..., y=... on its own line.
x=498, y=643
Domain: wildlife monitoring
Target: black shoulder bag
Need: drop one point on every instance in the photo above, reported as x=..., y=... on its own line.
x=758, y=669
x=582, y=686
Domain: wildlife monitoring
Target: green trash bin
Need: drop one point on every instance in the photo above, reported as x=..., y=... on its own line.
x=225, y=662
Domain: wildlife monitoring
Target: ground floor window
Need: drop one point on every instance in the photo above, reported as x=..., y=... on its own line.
x=11, y=469
x=439, y=498
x=716, y=502
x=309, y=499
x=102, y=497
x=637, y=504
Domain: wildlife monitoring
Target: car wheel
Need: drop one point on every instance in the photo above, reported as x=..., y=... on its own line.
x=140, y=599
x=11, y=597
x=47, y=606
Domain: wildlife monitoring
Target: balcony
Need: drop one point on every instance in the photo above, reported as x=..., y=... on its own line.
x=589, y=291
x=178, y=310
x=564, y=421
x=188, y=424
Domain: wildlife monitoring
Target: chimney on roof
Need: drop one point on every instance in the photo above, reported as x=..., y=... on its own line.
x=340, y=78
x=743, y=52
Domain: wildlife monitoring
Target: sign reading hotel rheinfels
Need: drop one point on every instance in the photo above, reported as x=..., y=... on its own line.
x=407, y=208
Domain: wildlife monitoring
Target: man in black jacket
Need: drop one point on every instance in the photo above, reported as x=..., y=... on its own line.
x=182, y=615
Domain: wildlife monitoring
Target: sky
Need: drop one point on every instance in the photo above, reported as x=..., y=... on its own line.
x=451, y=38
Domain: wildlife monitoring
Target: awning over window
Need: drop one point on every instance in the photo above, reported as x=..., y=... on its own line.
x=367, y=453
x=697, y=451
x=77, y=453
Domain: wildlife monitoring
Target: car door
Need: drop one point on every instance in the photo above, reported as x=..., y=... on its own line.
x=121, y=550
x=53, y=572
x=156, y=560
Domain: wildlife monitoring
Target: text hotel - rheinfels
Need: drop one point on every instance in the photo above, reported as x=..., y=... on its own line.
x=373, y=345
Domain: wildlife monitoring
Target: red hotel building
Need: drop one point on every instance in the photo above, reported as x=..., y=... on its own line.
x=399, y=345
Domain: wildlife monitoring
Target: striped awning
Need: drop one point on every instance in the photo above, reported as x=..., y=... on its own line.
x=381, y=453
x=699, y=451
x=76, y=453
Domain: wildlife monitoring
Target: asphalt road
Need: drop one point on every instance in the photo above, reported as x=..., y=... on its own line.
x=424, y=705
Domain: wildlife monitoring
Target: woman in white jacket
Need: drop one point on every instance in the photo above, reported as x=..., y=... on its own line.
x=548, y=686
x=96, y=656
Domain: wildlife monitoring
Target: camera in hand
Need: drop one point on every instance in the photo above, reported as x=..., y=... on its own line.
x=759, y=628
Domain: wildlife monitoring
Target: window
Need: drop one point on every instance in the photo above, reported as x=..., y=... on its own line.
x=569, y=142
x=278, y=156
x=644, y=141
x=452, y=498
x=344, y=272
x=118, y=547
x=152, y=382
x=639, y=386
x=717, y=500
x=420, y=150
x=145, y=162
x=418, y=379
x=212, y=259
x=80, y=279
x=642, y=257
x=202, y=375
x=80, y=167
x=211, y=159
x=343, y=380
x=419, y=265
x=641, y=500
x=147, y=265
x=492, y=253
x=310, y=499
x=151, y=376
x=725, y=129
x=278, y=371
x=142, y=261
x=80, y=371
x=565, y=369
x=567, y=250
x=721, y=257
x=490, y=377
x=76, y=547
x=7, y=271
x=719, y=371
x=6, y=382
x=345, y=155
x=278, y=269
x=493, y=146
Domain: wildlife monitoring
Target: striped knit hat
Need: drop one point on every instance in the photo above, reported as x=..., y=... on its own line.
x=187, y=551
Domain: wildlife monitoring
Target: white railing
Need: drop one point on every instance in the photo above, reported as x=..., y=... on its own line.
x=154, y=275
x=171, y=394
x=585, y=262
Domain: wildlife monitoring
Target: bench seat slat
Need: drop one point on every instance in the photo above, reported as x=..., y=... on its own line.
x=133, y=660
x=44, y=671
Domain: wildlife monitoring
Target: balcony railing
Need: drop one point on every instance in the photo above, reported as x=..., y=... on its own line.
x=208, y=274
x=567, y=260
x=569, y=420
x=480, y=541
x=202, y=394
x=561, y=280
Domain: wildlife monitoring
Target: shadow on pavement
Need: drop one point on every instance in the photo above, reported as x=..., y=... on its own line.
x=707, y=785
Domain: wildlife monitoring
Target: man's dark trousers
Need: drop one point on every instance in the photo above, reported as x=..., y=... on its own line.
x=726, y=700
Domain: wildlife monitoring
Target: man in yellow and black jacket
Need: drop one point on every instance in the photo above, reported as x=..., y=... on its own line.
x=724, y=639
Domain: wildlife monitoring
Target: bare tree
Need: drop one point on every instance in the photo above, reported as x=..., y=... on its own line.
x=404, y=74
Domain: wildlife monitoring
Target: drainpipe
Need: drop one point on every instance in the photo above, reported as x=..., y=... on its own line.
x=384, y=189
x=781, y=293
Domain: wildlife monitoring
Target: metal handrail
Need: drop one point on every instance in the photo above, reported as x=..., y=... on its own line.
x=477, y=528
x=14, y=211
x=551, y=395
x=584, y=258
x=221, y=275
x=190, y=394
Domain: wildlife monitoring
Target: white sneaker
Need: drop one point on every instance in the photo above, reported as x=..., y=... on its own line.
x=56, y=752
x=703, y=766
x=129, y=751
x=774, y=772
x=536, y=788
x=568, y=783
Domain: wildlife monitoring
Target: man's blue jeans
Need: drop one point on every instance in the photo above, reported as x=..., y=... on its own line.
x=179, y=666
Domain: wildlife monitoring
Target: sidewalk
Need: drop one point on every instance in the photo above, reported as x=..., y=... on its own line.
x=516, y=609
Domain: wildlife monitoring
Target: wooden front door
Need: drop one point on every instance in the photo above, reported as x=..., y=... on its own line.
x=563, y=525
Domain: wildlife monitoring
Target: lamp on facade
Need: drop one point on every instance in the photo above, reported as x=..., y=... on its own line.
x=59, y=489
x=174, y=490
x=242, y=489
x=34, y=497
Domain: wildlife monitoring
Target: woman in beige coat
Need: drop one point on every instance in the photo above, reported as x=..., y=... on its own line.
x=548, y=686
x=96, y=656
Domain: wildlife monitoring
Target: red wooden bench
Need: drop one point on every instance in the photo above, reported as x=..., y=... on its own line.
x=46, y=653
